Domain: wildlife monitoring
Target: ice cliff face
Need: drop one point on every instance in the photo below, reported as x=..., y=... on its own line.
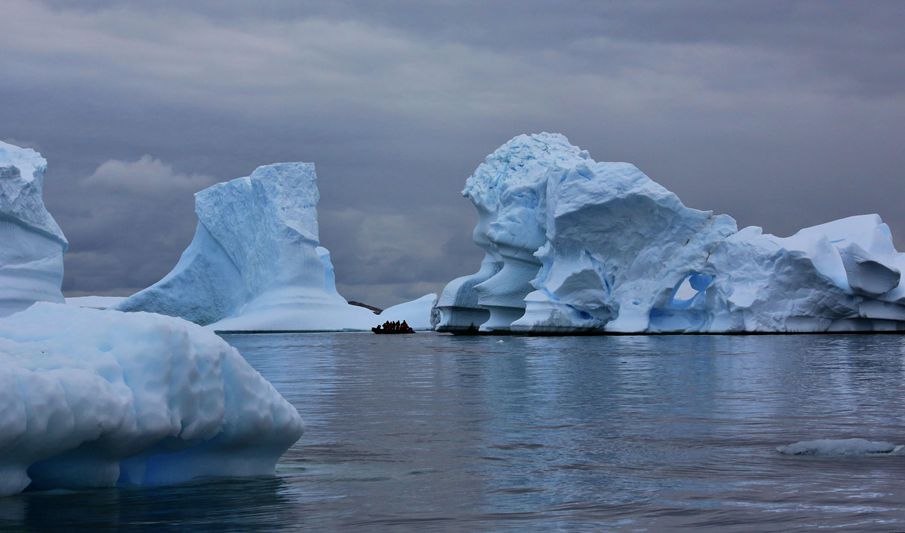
x=617, y=246
x=31, y=254
x=255, y=262
x=844, y=275
x=573, y=245
x=509, y=191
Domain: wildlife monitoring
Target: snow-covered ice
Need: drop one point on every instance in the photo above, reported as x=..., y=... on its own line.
x=574, y=245
x=841, y=447
x=95, y=302
x=31, y=255
x=255, y=262
x=417, y=313
x=92, y=398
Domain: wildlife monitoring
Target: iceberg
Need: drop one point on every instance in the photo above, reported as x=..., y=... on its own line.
x=841, y=447
x=255, y=262
x=92, y=398
x=106, y=398
x=508, y=190
x=618, y=244
x=578, y=246
x=31, y=258
x=417, y=313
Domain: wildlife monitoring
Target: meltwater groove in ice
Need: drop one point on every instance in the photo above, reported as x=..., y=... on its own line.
x=31, y=242
x=573, y=245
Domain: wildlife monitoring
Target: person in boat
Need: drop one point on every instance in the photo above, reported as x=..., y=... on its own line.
x=393, y=327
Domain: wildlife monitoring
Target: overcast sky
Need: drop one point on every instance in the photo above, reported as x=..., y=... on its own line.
x=782, y=114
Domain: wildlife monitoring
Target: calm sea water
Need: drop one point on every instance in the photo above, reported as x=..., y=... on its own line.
x=434, y=432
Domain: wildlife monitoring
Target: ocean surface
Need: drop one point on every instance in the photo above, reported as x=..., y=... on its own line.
x=432, y=432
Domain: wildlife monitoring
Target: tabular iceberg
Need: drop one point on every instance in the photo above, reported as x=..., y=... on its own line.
x=573, y=245
x=96, y=398
x=255, y=262
x=31, y=255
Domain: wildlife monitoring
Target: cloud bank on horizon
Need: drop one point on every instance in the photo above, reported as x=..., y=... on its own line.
x=784, y=115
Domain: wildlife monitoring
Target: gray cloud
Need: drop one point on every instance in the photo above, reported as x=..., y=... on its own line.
x=781, y=114
x=139, y=216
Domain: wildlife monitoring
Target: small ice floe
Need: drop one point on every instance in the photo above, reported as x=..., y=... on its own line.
x=842, y=447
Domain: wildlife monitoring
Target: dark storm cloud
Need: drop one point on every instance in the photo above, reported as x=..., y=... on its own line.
x=782, y=114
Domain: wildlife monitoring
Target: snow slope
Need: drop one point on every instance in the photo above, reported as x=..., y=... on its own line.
x=31, y=255
x=573, y=245
x=417, y=313
x=255, y=262
x=95, y=302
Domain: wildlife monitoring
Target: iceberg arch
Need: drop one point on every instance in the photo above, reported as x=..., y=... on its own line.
x=573, y=246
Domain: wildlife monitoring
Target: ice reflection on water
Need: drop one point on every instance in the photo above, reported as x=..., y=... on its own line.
x=438, y=432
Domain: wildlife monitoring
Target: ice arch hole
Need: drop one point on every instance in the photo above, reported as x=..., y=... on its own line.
x=690, y=287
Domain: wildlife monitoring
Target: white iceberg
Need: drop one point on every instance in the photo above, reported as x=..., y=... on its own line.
x=841, y=447
x=417, y=313
x=573, y=245
x=508, y=189
x=31, y=257
x=618, y=245
x=94, y=398
x=255, y=263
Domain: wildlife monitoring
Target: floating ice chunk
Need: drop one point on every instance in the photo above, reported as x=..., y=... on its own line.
x=92, y=398
x=620, y=253
x=841, y=447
